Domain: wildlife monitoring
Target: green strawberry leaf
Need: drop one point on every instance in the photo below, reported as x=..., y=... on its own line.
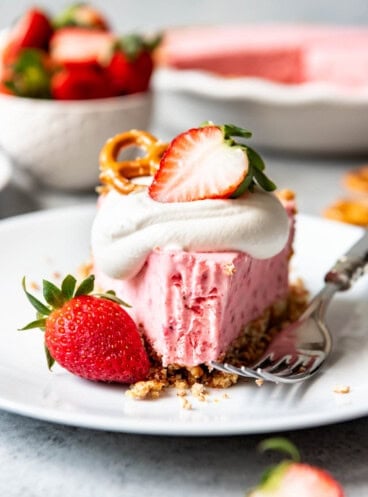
x=150, y=44
x=263, y=181
x=39, y=323
x=256, y=164
x=50, y=360
x=29, y=75
x=110, y=295
x=66, y=18
x=272, y=477
x=280, y=444
x=245, y=184
x=86, y=286
x=255, y=159
x=52, y=294
x=230, y=130
x=39, y=306
x=132, y=45
x=68, y=286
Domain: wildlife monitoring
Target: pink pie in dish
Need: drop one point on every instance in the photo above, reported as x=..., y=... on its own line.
x=291, y=54
x=204, y=278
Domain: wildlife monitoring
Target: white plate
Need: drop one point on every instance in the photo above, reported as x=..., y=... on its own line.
x=39, y=244
x=5, y=170
x=309, y=117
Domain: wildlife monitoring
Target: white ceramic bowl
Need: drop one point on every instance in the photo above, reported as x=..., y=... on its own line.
x=311, y=117
x=58, y=142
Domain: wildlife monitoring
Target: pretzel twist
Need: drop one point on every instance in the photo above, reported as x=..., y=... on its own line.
x=118, y=174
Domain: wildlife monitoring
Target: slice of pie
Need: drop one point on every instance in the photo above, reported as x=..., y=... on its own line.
x=202, y=254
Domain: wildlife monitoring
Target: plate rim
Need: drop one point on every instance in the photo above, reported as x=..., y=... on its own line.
x=5, y=170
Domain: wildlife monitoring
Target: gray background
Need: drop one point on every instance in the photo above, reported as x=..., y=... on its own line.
x=136, y=14
x=39, y=459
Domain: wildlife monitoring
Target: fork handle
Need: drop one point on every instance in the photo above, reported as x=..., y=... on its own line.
x=351, y=266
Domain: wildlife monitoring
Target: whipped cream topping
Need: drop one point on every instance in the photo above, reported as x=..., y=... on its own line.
x=128, y=227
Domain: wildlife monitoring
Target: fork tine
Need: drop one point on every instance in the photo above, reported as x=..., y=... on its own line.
x=284, y=370
x=279, y=365
x=287, y=365
x=242, y=371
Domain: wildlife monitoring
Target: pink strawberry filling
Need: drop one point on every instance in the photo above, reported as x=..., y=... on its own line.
x=192, y=305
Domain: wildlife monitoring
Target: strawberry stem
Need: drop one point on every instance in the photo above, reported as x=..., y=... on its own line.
x=282, y=445
x=86, y=286
x=256, y=167
x=39, y=306
x=56, y=297
x=68, y=286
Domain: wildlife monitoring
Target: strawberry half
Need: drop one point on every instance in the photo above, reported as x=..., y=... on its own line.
x=292, y=478
x=81, y=47
x=89, y=335
x=206, y=163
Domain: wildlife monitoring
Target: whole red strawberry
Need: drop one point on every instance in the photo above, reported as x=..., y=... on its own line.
x=119, y=72
x=292, y=478
x=80, y=84
x=131, y=64
x=33, y=30
x=142, y=68
x=89, y=335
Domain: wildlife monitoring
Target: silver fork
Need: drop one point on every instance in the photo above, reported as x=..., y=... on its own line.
x=299, y=350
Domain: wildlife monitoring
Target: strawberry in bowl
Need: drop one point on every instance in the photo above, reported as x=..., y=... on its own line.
x=79, y=83
x=77, y=39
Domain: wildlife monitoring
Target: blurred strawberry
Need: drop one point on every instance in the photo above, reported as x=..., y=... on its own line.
x=5, y=90
x=72, y=47
x=29, y=74
x=80, y=84
x=81, y=15
x=119, y=72
x=292, y=478
x=33, y=30
x=131, y=66
x=142, y=68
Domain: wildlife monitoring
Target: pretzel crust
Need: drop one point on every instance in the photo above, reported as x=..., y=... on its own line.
x=349, y=211
x=118, y=174
x=357, y=179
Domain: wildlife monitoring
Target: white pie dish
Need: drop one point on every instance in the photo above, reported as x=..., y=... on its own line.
x=313, y=118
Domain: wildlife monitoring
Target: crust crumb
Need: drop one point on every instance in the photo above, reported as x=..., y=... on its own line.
x=150, y=389
x=342, y=389
x=186, y=404
x=181, y=393
x=199, y=391
x=34, y=286
x=259, y=382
